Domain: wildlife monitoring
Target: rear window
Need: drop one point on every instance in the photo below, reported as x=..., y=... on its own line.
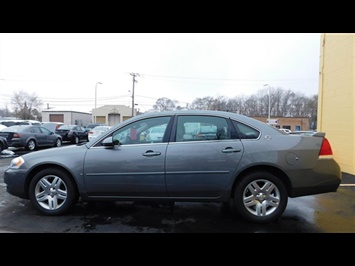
x=65, y=127
x=245, y=132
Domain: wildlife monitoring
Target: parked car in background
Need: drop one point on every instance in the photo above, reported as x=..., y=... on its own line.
x=285, y=130
x=156, y=133
x=304, y=132
x=96, y=131
x=28, y=122
x=3, y=144
x=72, y=133
x=52, y=126
x=2, y=126
x=206, y=132
x=92, y=125
x=30, y=137
x=255, y=166
x=9, y=123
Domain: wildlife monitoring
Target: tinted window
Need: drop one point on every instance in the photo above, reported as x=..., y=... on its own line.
x=45, y=130
x=35, y=130
x=245, y=132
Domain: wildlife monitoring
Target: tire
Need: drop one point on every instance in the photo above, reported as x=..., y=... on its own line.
x=1, y=147
x=58, y=143
x=52, y=192
x=254, y=203
x=31, y=145
x=75, y=139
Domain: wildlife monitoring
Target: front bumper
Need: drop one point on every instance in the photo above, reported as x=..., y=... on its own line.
x=15, y=180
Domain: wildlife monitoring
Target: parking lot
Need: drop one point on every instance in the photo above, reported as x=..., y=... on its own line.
x=326, y=213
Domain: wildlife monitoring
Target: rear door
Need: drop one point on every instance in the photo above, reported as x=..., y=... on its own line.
x=41, y=138
x=198, y=167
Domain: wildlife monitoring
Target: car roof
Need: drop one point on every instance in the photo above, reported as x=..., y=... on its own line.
x=225, y=114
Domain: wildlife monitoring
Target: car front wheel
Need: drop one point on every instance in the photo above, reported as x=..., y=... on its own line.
x=52, y=192
x=260, y=197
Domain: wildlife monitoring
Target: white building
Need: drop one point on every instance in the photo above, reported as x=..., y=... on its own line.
x=66, y=117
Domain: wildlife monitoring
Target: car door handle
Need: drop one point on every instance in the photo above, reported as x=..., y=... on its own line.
x=230, y=150
x=151, y=153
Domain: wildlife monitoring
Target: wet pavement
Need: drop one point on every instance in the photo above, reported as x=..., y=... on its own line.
x=325, y=213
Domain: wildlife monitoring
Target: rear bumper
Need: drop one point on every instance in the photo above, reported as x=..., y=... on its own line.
x=16, y=143
x=325, y=177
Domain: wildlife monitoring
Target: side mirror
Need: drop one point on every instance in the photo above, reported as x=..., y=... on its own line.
x=107, y=142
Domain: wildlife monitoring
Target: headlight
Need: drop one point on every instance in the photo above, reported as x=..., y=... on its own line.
x=17, y=162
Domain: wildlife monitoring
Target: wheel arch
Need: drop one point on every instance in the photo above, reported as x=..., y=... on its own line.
x=267, y=168
x=39, y=168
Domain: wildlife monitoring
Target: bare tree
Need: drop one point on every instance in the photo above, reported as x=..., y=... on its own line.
x=164, y=104
x=4, y=112
x=25, y=105
x=205, y=103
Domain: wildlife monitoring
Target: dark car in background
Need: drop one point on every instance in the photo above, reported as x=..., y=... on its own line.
x=72, y=133
x=254, y=166
x=3, y=144
x=30, y=137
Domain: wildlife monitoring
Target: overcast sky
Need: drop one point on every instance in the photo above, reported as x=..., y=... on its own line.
x=63, y=69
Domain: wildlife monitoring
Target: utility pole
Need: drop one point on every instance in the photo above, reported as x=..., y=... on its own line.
x=134, y=81
x=268, y=117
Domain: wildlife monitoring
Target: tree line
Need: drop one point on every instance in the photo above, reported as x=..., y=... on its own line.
x=283, y=103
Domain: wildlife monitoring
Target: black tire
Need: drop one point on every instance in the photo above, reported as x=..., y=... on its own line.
x=1, y=147
x=255, y=203
x=52, y=192
x=31, y=145
x=75, y=139
x=58, y=143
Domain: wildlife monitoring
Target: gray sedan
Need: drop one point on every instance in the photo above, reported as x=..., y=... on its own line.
x=245, y=161
x=30, y=137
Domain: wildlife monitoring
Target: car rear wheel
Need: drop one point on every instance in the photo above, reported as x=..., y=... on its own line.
x=260, y=197
x=52, y=192
x=75, y=140
x=31, y=145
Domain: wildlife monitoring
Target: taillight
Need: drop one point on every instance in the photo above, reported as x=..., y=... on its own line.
x=326, y=149
x=91, y=132
x=16, y=135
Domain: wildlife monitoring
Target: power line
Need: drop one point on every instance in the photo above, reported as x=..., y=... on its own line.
x=257, y=80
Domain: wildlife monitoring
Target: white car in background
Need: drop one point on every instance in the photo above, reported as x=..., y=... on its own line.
x=96, y=131
x=156, y=133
